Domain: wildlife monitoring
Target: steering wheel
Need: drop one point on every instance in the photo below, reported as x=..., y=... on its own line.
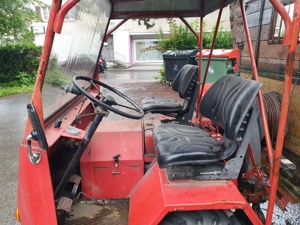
x=107, y=102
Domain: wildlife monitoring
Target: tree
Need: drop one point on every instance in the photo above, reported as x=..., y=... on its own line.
x=146, y=22
x=16, y=16
x=236, y=23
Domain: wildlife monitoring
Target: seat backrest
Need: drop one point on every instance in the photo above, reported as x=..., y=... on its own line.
x=227, y=102
x=185, y=81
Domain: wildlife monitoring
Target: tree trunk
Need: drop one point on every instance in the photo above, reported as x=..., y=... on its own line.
x=236, y=24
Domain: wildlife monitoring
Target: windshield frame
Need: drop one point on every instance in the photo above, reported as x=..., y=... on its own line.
x=49, y=48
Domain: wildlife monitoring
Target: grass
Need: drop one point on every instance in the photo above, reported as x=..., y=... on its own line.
x=5, y=91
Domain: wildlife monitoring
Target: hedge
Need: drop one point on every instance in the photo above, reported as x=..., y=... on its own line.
x=17, y=61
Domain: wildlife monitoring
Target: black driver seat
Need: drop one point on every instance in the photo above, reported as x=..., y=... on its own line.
x=185, y=84
x=228, y=104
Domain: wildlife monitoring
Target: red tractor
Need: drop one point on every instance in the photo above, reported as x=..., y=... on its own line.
x=196, y=163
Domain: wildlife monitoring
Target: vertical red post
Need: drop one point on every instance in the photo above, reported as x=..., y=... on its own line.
x=260, y=98
x=209, y=57
x=36, y=98
x=200, y=42
x=290, y=35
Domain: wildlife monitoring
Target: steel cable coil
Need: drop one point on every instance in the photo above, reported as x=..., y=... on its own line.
x=272, y=103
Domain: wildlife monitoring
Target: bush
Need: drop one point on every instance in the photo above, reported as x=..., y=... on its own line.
x=19, y=63
x=162, y=75
x=25, y=79
x=181, y=38
x=223, y=40
x=55, y=76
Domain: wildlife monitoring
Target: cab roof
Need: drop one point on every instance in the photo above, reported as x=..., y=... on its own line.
x=164, y=8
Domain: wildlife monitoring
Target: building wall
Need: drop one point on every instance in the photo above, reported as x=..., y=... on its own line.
x=271, y=68
x=122, y=46
x=271, y=58
x=39, y=28
x=148, y=37
x=124, y=39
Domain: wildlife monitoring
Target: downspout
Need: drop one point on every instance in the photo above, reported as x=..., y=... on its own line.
x=261, y=14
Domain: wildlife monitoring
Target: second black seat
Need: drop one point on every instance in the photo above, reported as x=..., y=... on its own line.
x=185, y=84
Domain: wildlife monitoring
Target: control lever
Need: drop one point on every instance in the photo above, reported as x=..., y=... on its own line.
x=116, y=160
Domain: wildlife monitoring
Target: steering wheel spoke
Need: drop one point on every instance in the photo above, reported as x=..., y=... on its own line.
x=107, y=102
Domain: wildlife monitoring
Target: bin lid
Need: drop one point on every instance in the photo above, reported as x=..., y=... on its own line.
x=180, y=53
x=221, y=53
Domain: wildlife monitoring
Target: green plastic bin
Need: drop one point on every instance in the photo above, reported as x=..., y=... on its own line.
x=223, y=62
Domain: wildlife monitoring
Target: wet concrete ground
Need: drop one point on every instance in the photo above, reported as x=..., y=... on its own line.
x=12, y=114
x=133, y=82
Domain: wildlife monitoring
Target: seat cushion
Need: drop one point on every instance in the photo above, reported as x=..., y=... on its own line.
x=160, y=105
x=180, y=145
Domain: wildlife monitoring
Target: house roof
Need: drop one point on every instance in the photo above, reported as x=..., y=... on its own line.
x=164, y=8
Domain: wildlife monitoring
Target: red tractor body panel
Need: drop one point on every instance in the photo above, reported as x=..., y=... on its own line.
x=35, y=198
x=100, y=177
x=113, y=163
x=156, y=195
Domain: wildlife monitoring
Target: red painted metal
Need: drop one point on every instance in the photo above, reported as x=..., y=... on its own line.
x=59, y=19
x=116, y=27
x=138, y=15
x=255, y=171
x=293, y=36
x=210, y=55
x=154, y=196
x=223, y=53
x=260, y=98
x=287, y=20
x=100, y=178
x=35, y=194
x=189, y=27
x=200, y=46
x=285, y=199
x=148, y=125
x=36, y=99
x=149, y=142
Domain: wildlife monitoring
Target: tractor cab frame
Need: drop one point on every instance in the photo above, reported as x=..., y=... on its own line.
x=78, y=167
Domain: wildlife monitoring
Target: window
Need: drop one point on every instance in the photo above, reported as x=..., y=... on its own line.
x=43, y=12
x=277, y=27
x=147, y=51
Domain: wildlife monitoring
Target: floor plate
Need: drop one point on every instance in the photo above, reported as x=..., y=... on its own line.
x=115, y=213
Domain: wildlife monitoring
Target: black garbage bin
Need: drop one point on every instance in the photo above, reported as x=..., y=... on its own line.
x=175, y=59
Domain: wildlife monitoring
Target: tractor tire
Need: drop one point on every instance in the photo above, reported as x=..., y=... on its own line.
x=204, y=217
